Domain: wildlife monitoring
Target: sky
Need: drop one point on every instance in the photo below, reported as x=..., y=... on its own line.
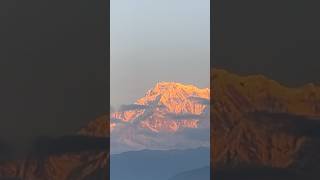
x=279, y=39
x=154, y=41
x=52, y=72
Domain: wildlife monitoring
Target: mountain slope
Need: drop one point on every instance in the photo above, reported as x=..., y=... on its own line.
x=79, y=157
x=259, y=123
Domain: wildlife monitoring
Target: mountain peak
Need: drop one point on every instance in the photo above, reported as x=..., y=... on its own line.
x=164, y=85
x=175, y=96
x=172, y=84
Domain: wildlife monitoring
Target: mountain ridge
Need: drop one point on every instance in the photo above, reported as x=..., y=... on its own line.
x=257, y=122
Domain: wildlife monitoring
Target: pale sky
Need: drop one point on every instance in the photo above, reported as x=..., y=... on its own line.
x=158, y=40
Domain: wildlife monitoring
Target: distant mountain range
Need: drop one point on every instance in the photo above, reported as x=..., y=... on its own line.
x=200, y=173
x=159, y=165
x=260, y=130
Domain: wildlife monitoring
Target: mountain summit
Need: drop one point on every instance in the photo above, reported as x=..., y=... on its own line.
x=176, y=96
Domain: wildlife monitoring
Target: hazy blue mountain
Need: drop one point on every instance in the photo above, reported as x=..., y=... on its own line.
x=156, y=164
x=196, y=174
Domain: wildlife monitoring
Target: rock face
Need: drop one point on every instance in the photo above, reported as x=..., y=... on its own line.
x=257, y=122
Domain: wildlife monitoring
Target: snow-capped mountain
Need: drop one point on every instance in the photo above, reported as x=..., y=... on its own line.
x=162, y=118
